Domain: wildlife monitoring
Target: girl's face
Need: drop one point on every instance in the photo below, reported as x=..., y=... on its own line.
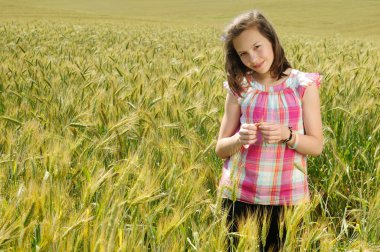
x=255, y=51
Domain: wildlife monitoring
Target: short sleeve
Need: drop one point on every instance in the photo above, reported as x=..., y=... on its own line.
x=244, y=84
x=226, y=87
x=308, y=79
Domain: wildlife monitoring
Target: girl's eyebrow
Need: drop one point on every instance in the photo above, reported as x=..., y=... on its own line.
x=252, y=45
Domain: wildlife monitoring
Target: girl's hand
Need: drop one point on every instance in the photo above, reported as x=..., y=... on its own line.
x=273, y=132
x=247, y=134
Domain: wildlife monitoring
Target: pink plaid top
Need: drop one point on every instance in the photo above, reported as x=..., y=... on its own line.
x=270, y=174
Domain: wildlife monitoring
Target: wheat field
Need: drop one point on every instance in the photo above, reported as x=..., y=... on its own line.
x=108, y=131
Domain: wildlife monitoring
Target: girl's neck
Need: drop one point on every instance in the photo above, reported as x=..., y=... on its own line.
x=267, y=79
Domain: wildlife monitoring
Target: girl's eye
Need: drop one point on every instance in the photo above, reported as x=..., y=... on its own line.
x=242, y=54
x=258, y=46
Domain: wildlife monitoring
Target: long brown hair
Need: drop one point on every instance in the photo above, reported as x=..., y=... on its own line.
x=234, y=67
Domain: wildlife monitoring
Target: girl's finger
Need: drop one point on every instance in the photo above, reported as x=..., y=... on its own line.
x=252, y=132
x=253, y=141
x=244, y=137
x=247, y=136
x=270, y=133
x=243, y=131
x=273, y=140
x=247, y=126
x=251, y=127
x=268, y=128
x=247, y=132
x=265, y=134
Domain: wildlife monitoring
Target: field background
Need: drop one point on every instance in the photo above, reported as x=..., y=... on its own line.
x=355, y=19
x=109, y=115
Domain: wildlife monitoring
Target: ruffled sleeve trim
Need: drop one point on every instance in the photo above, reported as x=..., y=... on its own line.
x=226, y=87
x=308, y=79
x=244, y=84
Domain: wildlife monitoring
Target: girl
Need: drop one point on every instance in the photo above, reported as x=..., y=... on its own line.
x=271, y=122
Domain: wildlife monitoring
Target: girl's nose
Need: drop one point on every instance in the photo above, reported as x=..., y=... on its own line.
x=252, y=58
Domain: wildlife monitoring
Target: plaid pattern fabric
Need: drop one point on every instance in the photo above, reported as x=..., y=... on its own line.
x=270, y=174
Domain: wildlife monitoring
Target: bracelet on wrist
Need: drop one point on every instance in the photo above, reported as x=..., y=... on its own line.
x=290, y=136
x=294, y=146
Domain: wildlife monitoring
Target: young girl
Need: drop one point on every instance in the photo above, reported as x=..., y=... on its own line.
x=271, y=122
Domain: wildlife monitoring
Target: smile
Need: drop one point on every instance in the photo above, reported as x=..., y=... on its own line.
x=258, y=65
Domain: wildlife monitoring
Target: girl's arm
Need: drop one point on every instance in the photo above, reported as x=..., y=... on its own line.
x=228, y=142
x=312, y=142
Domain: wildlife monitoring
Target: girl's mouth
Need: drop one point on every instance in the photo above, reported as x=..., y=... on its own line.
x=258, y=65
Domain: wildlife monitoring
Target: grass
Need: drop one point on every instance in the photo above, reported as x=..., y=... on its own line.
x=349, y=19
